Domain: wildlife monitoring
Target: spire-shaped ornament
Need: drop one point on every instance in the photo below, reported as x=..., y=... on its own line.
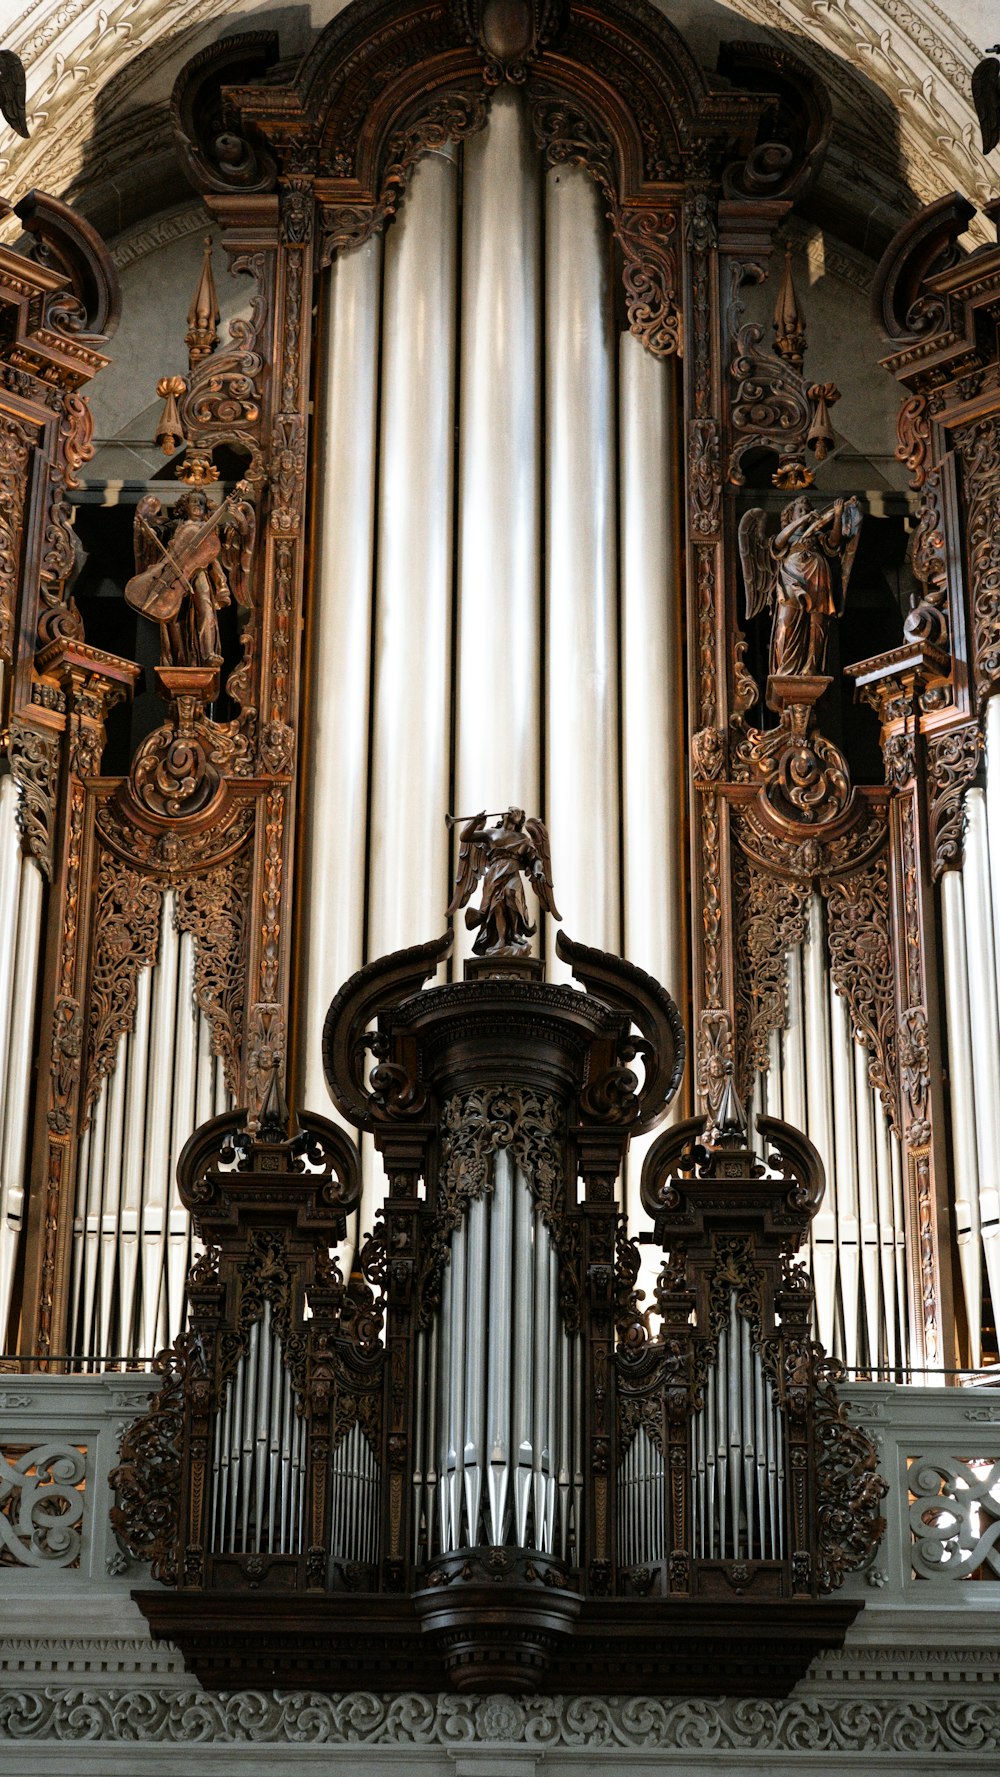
x=202, y=335
x=789, y=321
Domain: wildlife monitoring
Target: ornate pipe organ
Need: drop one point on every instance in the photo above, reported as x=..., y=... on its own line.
x=510, y=481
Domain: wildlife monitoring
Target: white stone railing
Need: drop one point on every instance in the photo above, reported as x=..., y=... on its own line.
x=59, y=1440
x=939, y=1450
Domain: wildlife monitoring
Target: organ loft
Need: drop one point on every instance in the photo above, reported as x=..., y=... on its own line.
x=520, y=1282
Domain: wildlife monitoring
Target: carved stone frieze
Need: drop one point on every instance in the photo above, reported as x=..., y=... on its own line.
x=944, y=1724
x=34, y=762
x=953, y=761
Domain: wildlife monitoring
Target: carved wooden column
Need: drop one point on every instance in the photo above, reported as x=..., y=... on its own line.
x=895, y=687
x=90, y=684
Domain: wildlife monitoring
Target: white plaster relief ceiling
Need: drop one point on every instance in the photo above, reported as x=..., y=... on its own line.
x=99, y=73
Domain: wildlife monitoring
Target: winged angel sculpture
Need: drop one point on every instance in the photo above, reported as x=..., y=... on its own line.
x=499, y=855
x=192, y=559
x=803, y=573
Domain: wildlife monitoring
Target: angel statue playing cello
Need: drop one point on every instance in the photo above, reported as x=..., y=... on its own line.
x=499, y=855
x=803, y=572
x=191, y=558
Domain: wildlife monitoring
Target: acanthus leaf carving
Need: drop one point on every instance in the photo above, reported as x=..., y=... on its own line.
x=34, y=762
x=645, y=235
x=953, y=761
x=979, y=445
x=770, y=406
x=15, y=450
x=704, y=476
x=214, y=909
x=861, y=962
x=772, y=915
x=127, y=934
x=452, y=116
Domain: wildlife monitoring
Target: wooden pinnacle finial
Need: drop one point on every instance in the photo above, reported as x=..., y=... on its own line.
x=789, y=321
x=203, y=316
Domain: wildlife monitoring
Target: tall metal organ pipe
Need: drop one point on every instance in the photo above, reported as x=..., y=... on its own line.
x=339, y=657
x=21, y=921
x=498, y=622
x=581, y=655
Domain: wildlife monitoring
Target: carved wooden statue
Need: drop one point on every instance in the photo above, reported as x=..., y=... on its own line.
x=192, y=559
x=499, y=855
x=803, y=572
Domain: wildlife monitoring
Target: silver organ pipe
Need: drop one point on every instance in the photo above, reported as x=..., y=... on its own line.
x=259, y=1455
x=652, y=702
x=501, y=1423
x=132, y=1235
x=581, y=691
x=412, y=631
x=983, y=1017
x=338, y=658
x=963, y=1108
x=737, y=1460
x=498, y=602
x=21, y=910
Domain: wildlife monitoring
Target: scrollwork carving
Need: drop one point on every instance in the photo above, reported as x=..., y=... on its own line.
x=214, y=909
x=34, y=762
x=645, y=235
x=474, y=1128
x=849, y=1489
x=147, y=1480
x=452, y=116
x=770, y=407
x=980, y=448
x=704, y=476
x=771, y=915
x=15, y=449
x=953, y=760
x=859, y=936
x=127, y=933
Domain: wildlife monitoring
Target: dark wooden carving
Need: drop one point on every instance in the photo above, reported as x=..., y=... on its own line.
x=501, y=1062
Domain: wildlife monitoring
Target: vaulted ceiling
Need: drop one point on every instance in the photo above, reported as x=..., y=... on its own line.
x=100, y=73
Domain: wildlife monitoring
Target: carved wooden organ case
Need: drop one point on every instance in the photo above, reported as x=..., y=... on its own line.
x=491, y=1098
x=506, y=1480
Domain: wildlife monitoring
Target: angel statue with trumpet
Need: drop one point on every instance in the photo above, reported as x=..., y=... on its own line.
x=499, y=855
x=803, y=573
